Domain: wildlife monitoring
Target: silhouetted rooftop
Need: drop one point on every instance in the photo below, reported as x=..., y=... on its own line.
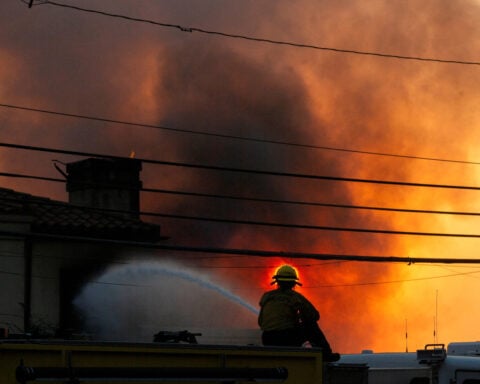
x=60, y=218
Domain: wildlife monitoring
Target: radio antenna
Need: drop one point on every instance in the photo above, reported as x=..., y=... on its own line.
x=435, y=319
x=406, y=335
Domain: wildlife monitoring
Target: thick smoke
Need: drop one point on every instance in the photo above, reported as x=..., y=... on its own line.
x=89, y=64
x=215, y=90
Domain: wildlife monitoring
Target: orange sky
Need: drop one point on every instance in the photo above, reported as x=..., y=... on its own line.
x=64, y=60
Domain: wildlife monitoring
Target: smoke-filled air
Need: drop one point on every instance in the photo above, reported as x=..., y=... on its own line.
x=360, y=93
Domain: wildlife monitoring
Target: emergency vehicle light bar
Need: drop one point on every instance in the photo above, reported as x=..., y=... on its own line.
x=433, y=353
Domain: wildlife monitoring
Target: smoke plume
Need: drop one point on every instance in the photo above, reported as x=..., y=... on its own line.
x=357, y=106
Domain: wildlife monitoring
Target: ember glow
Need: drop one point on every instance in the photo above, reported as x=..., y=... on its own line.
x=361, y=107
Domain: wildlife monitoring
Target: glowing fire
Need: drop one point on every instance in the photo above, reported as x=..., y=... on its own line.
x=284, y=94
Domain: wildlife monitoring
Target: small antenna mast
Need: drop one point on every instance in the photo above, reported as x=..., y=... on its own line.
x=435, y=319
x=406, y=335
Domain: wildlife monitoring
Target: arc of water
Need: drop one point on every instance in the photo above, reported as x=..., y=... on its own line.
x=146, y=269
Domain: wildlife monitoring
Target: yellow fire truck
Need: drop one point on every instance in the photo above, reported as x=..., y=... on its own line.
x=75, y=362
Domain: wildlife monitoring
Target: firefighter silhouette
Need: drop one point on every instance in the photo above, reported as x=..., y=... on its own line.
x=287, y=318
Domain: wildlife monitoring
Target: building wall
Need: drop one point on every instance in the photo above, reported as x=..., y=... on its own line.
x=59, y=271
x=12, y=272
x=40, y=277
x=11, y=283
x=45, y=288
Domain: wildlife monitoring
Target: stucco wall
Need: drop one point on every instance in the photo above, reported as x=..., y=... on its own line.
x=59, y=270
x=12, y=272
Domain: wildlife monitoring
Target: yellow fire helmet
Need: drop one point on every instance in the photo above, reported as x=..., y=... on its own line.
x=285, y=273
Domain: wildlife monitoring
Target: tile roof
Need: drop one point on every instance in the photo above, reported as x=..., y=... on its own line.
x=56, y=217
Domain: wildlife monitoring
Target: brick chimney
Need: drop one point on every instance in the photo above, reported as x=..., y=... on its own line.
x=106, y=184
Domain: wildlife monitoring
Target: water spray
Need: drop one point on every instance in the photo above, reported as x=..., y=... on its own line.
x=137, y=300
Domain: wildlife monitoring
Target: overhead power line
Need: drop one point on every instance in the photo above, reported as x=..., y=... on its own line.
x=31, y=177
x=281, y=225
x=318, y=227
x=310, y=286
x=392, y=281
x=311, y=203
x=225, y=136
x=250, y=252
x=256, y=39
x=241, y=170
x=251, y=199
x=238, y=198
x=308, y=203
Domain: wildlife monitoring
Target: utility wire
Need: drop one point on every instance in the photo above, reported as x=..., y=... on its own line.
x=257, y=39
x=391, y=281
x=357, y=284
x=249, y=252
x=317, y=227
x=228, y=197
x=260, y=223
x=306, y=203
x=225, y=136
x=301, y=226
x=322, y=264
x=31, y=177
x=240, y=170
